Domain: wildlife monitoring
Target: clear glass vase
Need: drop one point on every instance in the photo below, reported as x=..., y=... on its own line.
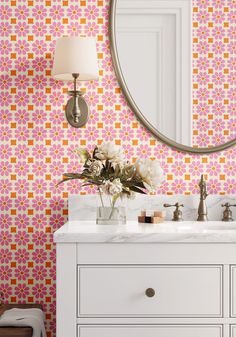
x=111, y=215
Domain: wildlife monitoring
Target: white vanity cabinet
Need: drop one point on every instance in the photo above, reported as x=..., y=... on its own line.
x=133, y=281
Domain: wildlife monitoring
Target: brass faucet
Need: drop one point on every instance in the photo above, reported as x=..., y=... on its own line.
x=202, y=208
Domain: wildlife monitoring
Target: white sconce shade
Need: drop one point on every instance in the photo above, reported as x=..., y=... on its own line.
x=75, y=55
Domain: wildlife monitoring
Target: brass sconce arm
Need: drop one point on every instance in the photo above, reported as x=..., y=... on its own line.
x=76, y=108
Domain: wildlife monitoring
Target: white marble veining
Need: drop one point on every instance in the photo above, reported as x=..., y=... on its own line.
x=187, y=231
x=84, y=207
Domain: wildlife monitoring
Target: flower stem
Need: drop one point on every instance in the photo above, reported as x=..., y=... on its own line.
x=111, y=201
x=112, y=207
x=100, y=194
x=112, y=211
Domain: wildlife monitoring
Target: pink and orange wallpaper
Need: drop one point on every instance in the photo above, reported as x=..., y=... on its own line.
x=37, y=143
x=214, y=72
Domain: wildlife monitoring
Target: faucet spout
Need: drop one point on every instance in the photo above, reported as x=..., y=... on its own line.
x=202, y=208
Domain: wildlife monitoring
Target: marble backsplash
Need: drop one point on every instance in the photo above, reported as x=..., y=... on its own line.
x=84, y=207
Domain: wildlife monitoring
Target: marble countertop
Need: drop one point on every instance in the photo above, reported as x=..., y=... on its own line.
x=132, y=232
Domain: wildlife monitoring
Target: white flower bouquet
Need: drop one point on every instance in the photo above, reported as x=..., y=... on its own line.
x=114, y=176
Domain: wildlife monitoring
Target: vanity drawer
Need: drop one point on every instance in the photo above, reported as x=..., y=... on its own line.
x=233, y=291
x=151, y=331
x=180, y=291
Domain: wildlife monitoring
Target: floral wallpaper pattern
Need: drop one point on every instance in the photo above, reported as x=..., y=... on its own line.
x=37, y=143
x=214, y=72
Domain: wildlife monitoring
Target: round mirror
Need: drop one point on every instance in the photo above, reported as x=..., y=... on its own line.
x=176, y=65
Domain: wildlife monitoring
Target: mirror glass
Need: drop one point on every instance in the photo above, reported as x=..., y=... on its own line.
x=177, y=64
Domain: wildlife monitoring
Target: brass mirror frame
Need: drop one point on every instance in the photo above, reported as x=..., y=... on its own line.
x=134, y=107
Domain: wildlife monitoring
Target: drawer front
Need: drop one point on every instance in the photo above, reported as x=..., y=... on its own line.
x=233, y=331
x=151, y=331
x=180, y=291
x=233, y=291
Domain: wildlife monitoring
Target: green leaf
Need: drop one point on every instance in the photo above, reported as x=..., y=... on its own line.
x=94, y=153
x=117, y=171
x=139, y=184
x=64, y=180
x=136, y=189
x=128, y=171
x=126, y=191
x=95, y=182
x=73, y=175
x=84, y=155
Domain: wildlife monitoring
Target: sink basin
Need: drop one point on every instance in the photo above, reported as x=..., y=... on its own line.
x=224, y=227
x=191, y=227
x=207, y=226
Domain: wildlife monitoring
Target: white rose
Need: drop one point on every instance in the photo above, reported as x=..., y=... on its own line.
x=113, y=187
x=110, y=151
x=95, y=167
x=151, y=173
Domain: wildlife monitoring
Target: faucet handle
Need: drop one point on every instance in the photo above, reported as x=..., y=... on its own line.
x=227, y=214
x=177, y=215
x=227, y=204
x=177, y=205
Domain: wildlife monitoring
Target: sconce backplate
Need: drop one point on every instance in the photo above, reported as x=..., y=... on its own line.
x=84, y=109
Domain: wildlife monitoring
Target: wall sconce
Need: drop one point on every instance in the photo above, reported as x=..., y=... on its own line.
x=75, y=59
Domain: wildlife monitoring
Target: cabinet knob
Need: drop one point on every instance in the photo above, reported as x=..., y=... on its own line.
x=150, y=292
